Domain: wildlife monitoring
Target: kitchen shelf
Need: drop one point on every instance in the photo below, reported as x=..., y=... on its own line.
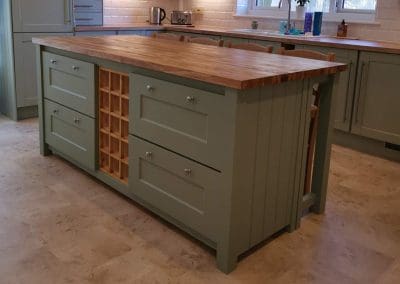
x=114, y=123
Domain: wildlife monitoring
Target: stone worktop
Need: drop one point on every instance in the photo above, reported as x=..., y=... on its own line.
x=233, y=68
x=345, y=43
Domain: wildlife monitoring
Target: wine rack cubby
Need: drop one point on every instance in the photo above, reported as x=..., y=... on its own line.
x=113, y=123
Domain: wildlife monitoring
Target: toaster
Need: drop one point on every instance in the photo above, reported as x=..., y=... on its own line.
x=181, y=17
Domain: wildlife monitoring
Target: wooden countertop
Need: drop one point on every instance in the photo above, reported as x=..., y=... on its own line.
x=354, y=44
x=234, y=68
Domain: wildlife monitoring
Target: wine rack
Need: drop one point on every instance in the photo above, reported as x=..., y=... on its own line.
x=113, y=123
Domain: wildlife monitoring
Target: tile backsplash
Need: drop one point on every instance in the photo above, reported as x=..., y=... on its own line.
x=221, y=13
x=133, y=11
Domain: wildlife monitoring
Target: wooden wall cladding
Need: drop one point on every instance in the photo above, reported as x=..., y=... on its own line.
x=113, y=123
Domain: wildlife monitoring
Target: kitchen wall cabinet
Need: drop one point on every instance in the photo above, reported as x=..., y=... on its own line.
x=345, y=89
x=376, y=107
x=42, y=15
x=25, y=68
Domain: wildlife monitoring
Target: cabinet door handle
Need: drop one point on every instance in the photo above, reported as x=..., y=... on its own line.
x=53, y=61
x=56, y=111
x=67, y=11
x=347, y=92
x=77, y=120
x=364, y=65
x=84, y=19
x=83, y=6
x=149, y=155
x=149, y=88
x=191, y=99
x=187, y=172
x=75, y=68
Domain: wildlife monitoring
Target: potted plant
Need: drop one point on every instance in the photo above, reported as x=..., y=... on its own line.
x=301, y=9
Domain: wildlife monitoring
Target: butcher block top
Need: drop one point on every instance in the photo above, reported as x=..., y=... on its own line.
x=228, y=67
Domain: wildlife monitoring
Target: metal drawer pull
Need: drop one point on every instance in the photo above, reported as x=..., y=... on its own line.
x=76, y=68
x=56, y=111
x=84, y=19
x=149, y=155
x=83, y=6
x=188, y=172
x=190, y=99
x=77, y=120
x=53, y=61
x=149, y=88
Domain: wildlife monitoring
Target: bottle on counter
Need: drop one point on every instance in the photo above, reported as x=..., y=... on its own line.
x=342, y=29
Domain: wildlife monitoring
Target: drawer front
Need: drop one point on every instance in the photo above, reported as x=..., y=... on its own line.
x=88, y=18
x=181, y=188
x=88, y=5
x=69, y=82
x=186, y=120
x=71, y=133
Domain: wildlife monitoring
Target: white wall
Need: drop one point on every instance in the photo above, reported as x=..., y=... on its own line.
x=220, y=13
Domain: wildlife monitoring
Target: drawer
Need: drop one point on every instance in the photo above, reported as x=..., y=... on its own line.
x=69, y=82
x=181, y=188
x=186, y=120
x=88, y=5
x=88, y=18
x=71, y=133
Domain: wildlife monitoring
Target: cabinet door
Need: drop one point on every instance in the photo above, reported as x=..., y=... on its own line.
x=25, y=69
x=376, y=107
x=345, y=89
x=42, y=15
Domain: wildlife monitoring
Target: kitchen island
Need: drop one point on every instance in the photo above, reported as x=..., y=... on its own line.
x=212, y=139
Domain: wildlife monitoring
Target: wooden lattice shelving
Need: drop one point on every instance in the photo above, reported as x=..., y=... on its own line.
x=113, y=123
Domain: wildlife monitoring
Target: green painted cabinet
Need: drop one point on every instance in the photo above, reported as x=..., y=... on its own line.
x=30, y=16
x=377, y=101
x=69, y=82
x=346, y=87
x=70, y=133
x=179, y=187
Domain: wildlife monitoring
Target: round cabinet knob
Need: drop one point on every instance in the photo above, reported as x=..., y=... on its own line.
x=149, y=88
x=190, y=99
x=75, y=68
x=188, y=172
x=149, y=155
x=77, y=120
x=55, y=111
x=53, y=61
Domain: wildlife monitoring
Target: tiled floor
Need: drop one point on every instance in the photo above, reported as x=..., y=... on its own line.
x=58, y=225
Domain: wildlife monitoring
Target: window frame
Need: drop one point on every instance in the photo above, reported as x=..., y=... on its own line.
x=340, y=9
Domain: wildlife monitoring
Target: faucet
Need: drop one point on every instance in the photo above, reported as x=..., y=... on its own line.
x=288, y=26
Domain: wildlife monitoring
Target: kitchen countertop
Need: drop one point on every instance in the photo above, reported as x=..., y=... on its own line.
x=234, y=68
x=355, y=44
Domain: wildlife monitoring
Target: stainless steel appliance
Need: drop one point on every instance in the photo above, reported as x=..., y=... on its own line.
x=181, y=17
x=157, y=15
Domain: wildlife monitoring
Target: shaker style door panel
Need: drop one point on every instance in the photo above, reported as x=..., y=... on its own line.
x=42, y=16
x=344, y=93
x=376, y=108
x=71, y=133
x=25, y=68
x=183, y=119
x=69, y=82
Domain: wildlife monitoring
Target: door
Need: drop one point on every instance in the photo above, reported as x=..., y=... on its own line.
x=345, y=90
x=25, y=69
x=376, y=107
x=42, y=16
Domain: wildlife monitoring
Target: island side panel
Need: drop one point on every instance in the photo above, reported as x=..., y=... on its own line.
x=44, y=148
x=323, y=143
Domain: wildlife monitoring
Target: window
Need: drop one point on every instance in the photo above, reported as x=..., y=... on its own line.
x=335, y=10
x=352, y=6
x=356, y=6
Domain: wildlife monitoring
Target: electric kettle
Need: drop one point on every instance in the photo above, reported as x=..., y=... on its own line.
x=157, y=15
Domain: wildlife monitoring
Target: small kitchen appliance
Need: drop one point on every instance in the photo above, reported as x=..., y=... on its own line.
x=157, y=15
x=181, y=17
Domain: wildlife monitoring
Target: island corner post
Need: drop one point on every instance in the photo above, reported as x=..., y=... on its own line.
x=223, y=163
